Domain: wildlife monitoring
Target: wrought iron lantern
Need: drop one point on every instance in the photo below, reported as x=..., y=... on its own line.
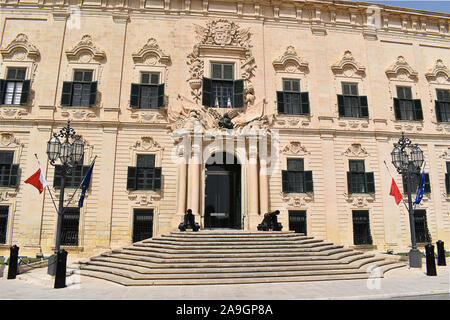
x=53, y=149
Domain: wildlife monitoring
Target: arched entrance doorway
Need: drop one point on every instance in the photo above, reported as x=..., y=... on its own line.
x=223, y=192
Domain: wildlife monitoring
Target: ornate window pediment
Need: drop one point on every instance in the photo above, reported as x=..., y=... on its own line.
x=151, y=54
x=146, y=143
x=440, y=74
x=294, y=148
x=20, y=49
x=348, y=67
x=402, y=71
x=290, y=62
x=85, y=52
x=356, y=151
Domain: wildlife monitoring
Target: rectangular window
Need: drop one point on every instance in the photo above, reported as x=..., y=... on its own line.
x=149, y=78
x=291, y=100
x=416, y=176
x=145, y=176
x=149, y=94
x=350, y=103
x=15, y=87
x=142, y=224
x=69, y=227
x=297, y=221
x=358, y=180
x=295, y=179
x=442, y=105
x=420, y=227
x=361, y=227
x=8, y=171
x=447, y=178
x=73, y=178
x=405, y=107
x=82, y=91
x=3, y=223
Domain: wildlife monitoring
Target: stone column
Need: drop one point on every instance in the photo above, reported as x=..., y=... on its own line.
x=253, y=189
x=263, y=187
x=194, y=177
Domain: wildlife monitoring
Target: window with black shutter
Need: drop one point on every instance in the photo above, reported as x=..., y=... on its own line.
x=350, y=103
x=291, y=100
x=421, y=227
x=415, y=177
x=295, y=179
x=221, y=90
x=73, y=178
x=361, y=227
x=3, y=223
x=442, y=105
x=149, y=93
x=142, y=224
x=70, y=226
x=405, y=107
x=81, y=92
x=447, y=178
x=297, y=221
x=359, y=181
x=9, y=172
x=15, y=89
x=145, y=176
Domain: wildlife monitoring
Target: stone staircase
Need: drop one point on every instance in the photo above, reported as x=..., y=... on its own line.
x=232, y=257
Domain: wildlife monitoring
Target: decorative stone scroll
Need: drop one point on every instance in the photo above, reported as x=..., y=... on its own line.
x=348, y=67
x=440, y=74
x=85, y=51
x=356, y=151
x=401, y=70
x=290, y=62
x=294, y=148
x=359, y=200
x=297, y=200
x=147, y=143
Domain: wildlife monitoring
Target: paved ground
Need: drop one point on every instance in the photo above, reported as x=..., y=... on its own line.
x=401, y=283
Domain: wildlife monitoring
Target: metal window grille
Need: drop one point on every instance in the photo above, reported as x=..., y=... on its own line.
x=421, y=227
x=70, y=226
x=3, y=223
x=361, y=228
x=297, y=221
x=142, y=225
x=222, y=91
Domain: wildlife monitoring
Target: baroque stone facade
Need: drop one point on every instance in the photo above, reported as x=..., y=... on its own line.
x=321, y=44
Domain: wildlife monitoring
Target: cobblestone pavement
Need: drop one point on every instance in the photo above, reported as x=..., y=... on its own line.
x=401, y=283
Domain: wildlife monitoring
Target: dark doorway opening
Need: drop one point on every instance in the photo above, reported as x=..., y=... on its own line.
x=142, y=224
x=223, y=192
x=297, y=221
x=421, y=227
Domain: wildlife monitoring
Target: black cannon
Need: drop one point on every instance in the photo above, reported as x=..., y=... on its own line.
x=270, y=222
x=225, y=122
x=189, y=222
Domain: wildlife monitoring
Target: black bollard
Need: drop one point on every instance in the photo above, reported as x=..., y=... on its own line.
x=440, y=253
x=12, y=264
x=61, y=262
x=431, y=265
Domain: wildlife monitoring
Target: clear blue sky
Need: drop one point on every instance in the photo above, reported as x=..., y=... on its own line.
x=439, y=6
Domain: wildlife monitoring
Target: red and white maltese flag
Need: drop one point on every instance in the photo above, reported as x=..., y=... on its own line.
x=38, y=180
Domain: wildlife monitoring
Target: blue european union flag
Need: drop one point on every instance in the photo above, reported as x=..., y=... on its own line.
x=85, y=185
x=421, y=189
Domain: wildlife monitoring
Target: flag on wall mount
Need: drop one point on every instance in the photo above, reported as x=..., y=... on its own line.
x=37, y=180
x=85, y=185
x=395, y=192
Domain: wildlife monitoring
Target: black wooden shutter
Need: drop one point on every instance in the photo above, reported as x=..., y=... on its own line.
x=341, y=105
x=238, y=92
x=131, y=178
x=280, y=101
x=135, y=95
x=285, y=182
x=25, y=92
x=14, y=175
x=427, y=183
x=93, y=94
x=156, y=178
x=438, y=111
x=308, y=181
x=418, y=109
x=398, y=115
x=370, y=182
x=447, y=183
x=66, y=96
x=160, y=95
x=206, y=92
x=364, y=106
x=349, y=182
x=304, y=96
x=2, y=91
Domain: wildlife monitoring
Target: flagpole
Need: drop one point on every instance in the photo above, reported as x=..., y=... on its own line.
x=394, y=180
x=68, y=202
x=49, y=191
x=423, y=169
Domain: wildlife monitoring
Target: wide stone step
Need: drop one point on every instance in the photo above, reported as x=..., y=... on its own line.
x=220, y=239
x=220, y=275
x=171, y=282
x=196, y=242
x=244, y=259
